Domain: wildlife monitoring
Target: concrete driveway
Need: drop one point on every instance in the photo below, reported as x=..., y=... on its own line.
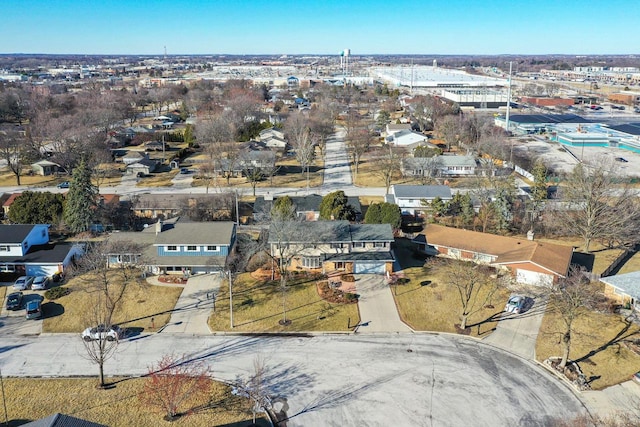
x=378, y=311
x=14, y=322
x=338, y=380
x=517, y=333
x=194, y=305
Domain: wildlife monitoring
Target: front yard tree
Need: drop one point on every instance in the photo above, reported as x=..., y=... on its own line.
x=301, y=140
x=81, y=199
x=99, y=351
x=388, y=162
x=12, y=151
x=35, y=207
x=384, y=213
x=571, y=299
x=473, y=284
x=172, y=382
x=335, y=206
x=598, y=206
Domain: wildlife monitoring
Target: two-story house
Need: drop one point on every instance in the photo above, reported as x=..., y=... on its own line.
x=175, y=247
x=25, y=250
x=413, y=199
x=333, y=246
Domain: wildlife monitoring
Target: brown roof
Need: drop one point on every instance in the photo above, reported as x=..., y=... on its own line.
x=509, y=250
x=11, y=199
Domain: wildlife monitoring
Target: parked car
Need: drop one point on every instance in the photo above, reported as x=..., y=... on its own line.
x=102, y=332
x=40, y=283
x=14, y=301
x=515, y=304
x=23, y=283
x=64, y=184
x=184, y=171
x=34, y=309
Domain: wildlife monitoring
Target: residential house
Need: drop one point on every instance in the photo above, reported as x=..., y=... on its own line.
x=270, y=133
x=62, y=420
x=133, y=157
x=443, y=165
x=178, y=247
x=25, y=250
x=45, y=168
x=457, y=165
x=623, y=288
x=293, y=81
x=408, y=139
x=413, y=199
x=393, y=128
x=307, y=207
x=3, y=198
x=8, y=201
x=529, y=261
x=334, y=246
x=144, y=166
x=169, y=205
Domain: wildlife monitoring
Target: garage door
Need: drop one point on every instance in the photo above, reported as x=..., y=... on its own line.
x=369, y=268
x=533, y=278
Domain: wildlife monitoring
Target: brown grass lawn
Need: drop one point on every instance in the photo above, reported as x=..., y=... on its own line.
x=435, y=306
x=595, y=345
x=3, y=293
x=8, y=179
x=141, y=302
x=30, y=398
x=161, y=179
x=257, y=307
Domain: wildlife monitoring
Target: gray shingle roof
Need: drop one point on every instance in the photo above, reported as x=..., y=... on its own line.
x=628, y=283
x=62, y=420
x=421, y=191
x=14, y=233
x=329, y=231
x=41, y=254
x=197, y=233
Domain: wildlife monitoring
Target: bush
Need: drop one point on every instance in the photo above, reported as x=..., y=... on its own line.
x=347, y=278
x=55, y=293
x=350, y=297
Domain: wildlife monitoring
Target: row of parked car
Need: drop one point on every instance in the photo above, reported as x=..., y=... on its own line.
x=36, y=283
x=33, y=307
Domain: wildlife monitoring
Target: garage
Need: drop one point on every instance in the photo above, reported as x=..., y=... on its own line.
x=533, y=278
x=372, y=267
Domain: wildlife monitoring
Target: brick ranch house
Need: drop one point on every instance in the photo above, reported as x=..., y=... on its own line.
x=529, y=261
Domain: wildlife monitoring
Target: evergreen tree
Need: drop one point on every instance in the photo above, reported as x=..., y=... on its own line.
x=539, y=188
x=34, y=207
x=336, y=206
x=283, y=209
x=384, y=213
x=80, y=206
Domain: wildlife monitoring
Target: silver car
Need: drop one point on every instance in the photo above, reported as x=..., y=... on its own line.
x=515, y=304
x=40, y=283
x=23, y=283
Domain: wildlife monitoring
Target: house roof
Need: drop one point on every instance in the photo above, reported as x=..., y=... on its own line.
x=197, y=233
x=509, y=250
x=628, y=283
x=630, y=128
x=61, y=420
x=329, y=231
x=14, y=233
x=172, y=201
x=134, y=155
x=45, y=163
x=310, y=203
x=421, y=191
x=548, y=118
x=10, y=199
x=457, y=161
x=41, y=254
x=407, y=137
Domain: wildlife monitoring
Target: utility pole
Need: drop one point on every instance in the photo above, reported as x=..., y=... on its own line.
x=509, y=109
x=230, y=299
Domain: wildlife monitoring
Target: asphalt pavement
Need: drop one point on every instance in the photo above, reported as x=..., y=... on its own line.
x=338, y=380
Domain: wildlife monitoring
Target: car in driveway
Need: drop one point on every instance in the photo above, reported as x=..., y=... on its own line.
x=64, y=184
x=102, y=332
x=515, y=304
x=23, y=283
x=14, y=301
x=34, y=309
x=40, y=283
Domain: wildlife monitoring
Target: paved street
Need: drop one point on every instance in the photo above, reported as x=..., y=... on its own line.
x=336, y=380
x=337, y=172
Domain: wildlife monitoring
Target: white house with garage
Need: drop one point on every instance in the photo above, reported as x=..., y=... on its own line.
x=327, y=246
x=414, y=199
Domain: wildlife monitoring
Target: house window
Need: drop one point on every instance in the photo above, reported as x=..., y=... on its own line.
x=212, y=248
x=4, y=248
x=172, y=248
x=339, y=265
x=379, y=244
x=127, y=258
x=7, y=268
x=358, y=244
x=336, y=246
x=311, y=262
x=192, y=248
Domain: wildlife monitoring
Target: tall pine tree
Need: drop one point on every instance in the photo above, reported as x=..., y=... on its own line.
x=80, y=206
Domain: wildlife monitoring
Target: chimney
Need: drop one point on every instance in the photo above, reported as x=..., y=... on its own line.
x=530, y=235
x=159, y=227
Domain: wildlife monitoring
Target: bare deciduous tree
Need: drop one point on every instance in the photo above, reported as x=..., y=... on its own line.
x=104, y=347
x=387, y=164
x=172, y=382
x=302, y=141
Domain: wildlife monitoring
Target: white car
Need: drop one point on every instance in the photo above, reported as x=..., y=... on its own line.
x=515, y=304
x=40, y=283
x=102, y=332
x=23, y=283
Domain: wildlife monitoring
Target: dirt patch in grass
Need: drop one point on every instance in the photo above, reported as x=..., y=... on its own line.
x=116, y=406
x=257, y=307
x=140, y=304
x=597, y=345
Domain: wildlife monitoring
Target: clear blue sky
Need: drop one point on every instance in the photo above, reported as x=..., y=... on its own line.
x=320, y=27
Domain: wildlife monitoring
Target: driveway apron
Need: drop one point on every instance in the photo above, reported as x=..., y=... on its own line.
x=194, y=306
x=378, y=312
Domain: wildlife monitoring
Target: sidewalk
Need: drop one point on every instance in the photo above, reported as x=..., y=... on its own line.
x=194, y=306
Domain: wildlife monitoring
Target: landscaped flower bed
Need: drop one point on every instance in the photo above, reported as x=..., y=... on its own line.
x=334, y=295
x=178, y=280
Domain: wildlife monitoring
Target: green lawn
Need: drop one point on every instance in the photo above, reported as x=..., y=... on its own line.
x=258, y=307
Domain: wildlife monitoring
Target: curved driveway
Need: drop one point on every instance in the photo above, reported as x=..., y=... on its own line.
x=373, y=380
